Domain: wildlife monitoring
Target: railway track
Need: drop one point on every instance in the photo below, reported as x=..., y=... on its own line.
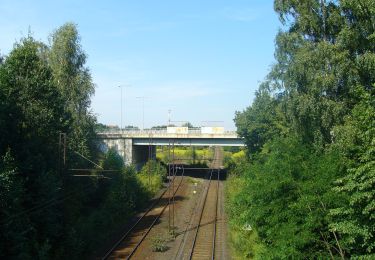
x=203, y=233
x=204, y=242
x=132, y=239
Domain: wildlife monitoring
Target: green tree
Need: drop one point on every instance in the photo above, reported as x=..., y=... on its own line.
x=287, y=198
x=113, y=161
x=312, y=192
x=73, y=80
x=33, y=115
x=12, y=229
x=67, y=60
x=188, y=124
x=261, y=121
x=356, y=140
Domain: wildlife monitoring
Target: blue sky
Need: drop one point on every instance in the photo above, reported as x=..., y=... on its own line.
x=201, y=59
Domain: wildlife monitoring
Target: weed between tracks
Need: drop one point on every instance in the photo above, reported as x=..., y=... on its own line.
x=193, y=180
x=159, y=242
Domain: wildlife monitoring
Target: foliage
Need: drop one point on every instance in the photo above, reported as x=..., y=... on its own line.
x=188, y=124
x=112, y=160
x=286, y=200
x=356, y=140
x=11, y=200
x=188, y=155
x=33, y=115
x=159, y=127
x=306, y=187
x=48, y=211
x=259, y=122
x=233, y=160
x=99, y=127
x=242, y=236
x=131, y=127
x=152, y=176
x=159, y=244
x=73, y=80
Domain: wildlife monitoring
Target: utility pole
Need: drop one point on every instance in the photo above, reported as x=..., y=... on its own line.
x=62, y=153
x=169, y=117
x=174, y=177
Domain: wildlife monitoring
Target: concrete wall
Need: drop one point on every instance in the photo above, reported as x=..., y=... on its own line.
x=131, y=154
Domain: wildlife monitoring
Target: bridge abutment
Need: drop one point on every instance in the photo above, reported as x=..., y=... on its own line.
x=130, y=153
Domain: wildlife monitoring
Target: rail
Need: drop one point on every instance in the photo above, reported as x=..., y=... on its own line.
x=215, y=221
x=117, y=244
x=201, y=215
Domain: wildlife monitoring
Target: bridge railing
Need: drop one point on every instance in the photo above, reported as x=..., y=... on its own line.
x=162, y=131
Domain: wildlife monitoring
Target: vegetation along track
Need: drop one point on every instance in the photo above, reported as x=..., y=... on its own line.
x=200, y=240
x=132, y=239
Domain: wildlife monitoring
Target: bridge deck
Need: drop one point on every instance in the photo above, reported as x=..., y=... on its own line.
x=158, y=137
x=165, y=134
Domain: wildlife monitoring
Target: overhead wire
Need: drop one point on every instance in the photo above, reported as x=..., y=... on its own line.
x=60, y=199
x=46, y=204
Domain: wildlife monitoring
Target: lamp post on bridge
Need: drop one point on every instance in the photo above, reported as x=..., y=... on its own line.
x=143, y=111
x=122, y=86
x=169, y=116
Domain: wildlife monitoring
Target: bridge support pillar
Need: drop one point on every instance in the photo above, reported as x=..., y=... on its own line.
x=131, y=154
x=128, y=151
x=138, y=154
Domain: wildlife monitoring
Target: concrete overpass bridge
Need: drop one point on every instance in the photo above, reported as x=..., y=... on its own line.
x=135, y=146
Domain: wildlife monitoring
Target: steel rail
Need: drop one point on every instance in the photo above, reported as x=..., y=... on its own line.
x=153, y=223
x=214, y=234
x=110, y=251
x=181, y=247
x=200, y=218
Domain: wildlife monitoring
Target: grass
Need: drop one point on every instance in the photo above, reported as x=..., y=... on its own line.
x=172, y=234
x=193, y=180
x=159, y=244
x=151, y=183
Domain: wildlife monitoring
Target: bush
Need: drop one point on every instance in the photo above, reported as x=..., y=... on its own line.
x=159, y=244
x=285, y=196
x=152, y=176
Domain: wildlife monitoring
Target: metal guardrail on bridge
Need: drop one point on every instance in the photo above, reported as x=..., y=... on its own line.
x=157, y=132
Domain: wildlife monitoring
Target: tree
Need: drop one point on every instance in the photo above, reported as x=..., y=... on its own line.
x=33, y=115
x=113, y=161
x=34, y=107
x=46, y=212
x=261, y=121
x=356, y=139
x=188, y=124
x=309, y=188
x=73, y=80
x=67, y=60
x=12, y=229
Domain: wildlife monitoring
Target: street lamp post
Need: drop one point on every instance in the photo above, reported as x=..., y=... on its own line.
x=143, y=111
x=121, y=106
x=169, y=116
x=122, y=86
